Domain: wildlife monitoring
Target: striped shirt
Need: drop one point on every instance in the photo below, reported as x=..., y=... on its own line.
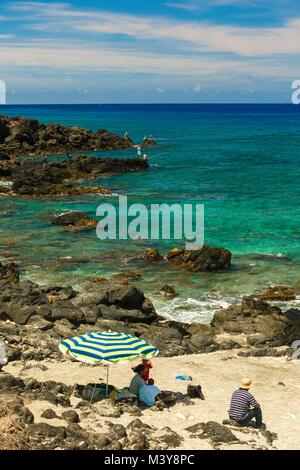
x=241, y=403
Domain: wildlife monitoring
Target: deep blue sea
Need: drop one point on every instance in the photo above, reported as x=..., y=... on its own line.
x=240, y=161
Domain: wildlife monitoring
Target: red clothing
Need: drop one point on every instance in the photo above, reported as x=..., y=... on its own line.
x=146, y=375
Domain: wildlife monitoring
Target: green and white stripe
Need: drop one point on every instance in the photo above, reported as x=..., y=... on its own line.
x=106, y=346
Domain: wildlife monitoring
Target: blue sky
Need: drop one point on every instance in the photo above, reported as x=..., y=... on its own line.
x=125, y=51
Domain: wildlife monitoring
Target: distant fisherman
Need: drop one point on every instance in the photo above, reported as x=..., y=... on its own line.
x=126, y=135
x=139, y=151
x=145, y=157
x=45, y=161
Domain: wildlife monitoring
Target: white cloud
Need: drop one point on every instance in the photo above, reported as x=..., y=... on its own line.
x=203, y=37
x=196, y=5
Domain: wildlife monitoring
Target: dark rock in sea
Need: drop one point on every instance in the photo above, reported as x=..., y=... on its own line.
x=168, y=291
x=278, y=293
x=206, y=259
x=152, y=254
x=27, y=136
x=61, y=177
x=149, y=142
x=126, y=277
x=74, y=219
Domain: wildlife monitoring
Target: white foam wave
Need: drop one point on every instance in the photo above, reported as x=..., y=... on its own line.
x=191, y=310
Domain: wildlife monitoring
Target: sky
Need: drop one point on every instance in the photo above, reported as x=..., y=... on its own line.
x=149, y=51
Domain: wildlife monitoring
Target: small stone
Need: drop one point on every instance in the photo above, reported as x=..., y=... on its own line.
x=70, y=416
x=49, y=414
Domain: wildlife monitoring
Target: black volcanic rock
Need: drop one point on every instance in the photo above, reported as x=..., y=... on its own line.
x=28, y=136
x=61, y=178
x=208, y=258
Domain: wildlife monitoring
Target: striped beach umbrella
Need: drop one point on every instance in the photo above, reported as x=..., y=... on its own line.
x=108, y=347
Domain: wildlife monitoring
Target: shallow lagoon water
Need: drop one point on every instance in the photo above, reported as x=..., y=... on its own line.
x=240, y=161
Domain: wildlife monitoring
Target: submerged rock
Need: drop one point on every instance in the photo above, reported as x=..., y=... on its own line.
x=152, y=254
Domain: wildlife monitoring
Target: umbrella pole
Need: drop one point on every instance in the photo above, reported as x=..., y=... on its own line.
x=107, y=374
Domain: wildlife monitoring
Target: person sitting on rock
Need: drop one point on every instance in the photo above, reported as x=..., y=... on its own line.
x=149, y=393
x=244, y=407
x=137, y=381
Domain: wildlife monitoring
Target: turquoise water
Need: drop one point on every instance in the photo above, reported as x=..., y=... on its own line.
x=240, y=161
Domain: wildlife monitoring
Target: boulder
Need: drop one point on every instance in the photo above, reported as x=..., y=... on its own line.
x=40, y=323
x=151, y=255
x=208, y=258
x=168, y=291
x=74, y=219
x=113, y=312
x=64, y=328
x=71, y=416
x=128, y=297
x=66, y=310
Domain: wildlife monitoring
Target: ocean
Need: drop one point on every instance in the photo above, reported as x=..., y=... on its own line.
x=240, y=161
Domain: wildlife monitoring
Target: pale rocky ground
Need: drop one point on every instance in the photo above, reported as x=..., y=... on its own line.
x=276, y=386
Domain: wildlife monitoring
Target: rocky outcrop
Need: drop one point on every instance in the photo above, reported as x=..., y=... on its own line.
x=74, y=219
x=61, y=178
x=208, y=258
x=260, y=322
x=28, y=136
x=278, y=293
x=53, y=312
x=8, y=163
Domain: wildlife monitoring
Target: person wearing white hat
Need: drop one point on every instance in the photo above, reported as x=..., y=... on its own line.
x=244, y=407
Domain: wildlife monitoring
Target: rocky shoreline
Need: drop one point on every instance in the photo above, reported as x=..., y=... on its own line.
x=21, y=136
x=27, y=137
x=55, y=312
x=34, y=318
